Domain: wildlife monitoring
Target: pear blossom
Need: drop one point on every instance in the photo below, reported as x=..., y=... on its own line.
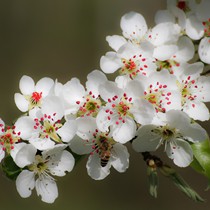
x=103, y=150
x=194, y=19
x=130, y=60
x=160, y=89
x=195, y=91
x=39, y=169
x=32, y=94
x=43, y=128
x=80, y=101
x=134, y=27
x=10, y=141
x=175, y=132
x=121, y=112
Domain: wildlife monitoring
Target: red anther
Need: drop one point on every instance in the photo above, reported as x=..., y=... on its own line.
x=36, y=96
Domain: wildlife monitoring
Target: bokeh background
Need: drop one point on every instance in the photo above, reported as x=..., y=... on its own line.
x=64, y=39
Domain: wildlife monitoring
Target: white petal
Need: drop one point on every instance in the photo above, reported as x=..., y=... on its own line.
x=2, y=154
x=165, y=52
x=204, y=50
x=197, y=110
x=86, y=127
x=163, y=16
x=110, y=63
x=16, y=149
x=121, y=157
x=115, y=41
x=94, y=79
x=165, y=33
x=108, y=90
x=195, y=133
x=185, y=50
x=122, y=81
x=67, y=131
x=73, y=91
x=124, y=132
x=179, y=15
x=25, y=156
x=42, y=144
x=133, y=25
x=143, y=111
x=21, y=102
x=44, y=85
x=204, y=81
x=25, y=183
x=94, y=168
x=26, y=85
x=147, y=140
x=194, y=28
x=47, y=188
x=25, y=126
x=53, y=107
x=181, y=153
x=202, y=10
x=80, y=146
x=177, y=119
x=134, y=89
x=61, y=163
x=102, y=121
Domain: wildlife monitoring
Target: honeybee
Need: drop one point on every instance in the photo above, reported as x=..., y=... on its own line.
x=104, y=151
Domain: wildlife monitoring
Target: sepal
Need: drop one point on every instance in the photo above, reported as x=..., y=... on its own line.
x=10, y=169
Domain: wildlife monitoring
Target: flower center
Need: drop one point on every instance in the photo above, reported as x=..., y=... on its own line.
x=168, y=64
x=47, y=127
x=119, y=108
x=133, y=66
x=183, y=6
x=39, y=166
x=9, y=139
x=186, y=90
x=34, y=100
x=90, y=107
x=158, y=96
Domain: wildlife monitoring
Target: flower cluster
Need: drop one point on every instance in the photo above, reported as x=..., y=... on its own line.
x=156, y=99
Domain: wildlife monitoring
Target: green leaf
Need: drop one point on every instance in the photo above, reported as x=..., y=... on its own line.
x=180, y=183
x=153, y=181
x=201, y=161
x=10, y=168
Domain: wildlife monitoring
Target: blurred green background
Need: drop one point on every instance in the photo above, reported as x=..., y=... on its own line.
x=64, y=39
